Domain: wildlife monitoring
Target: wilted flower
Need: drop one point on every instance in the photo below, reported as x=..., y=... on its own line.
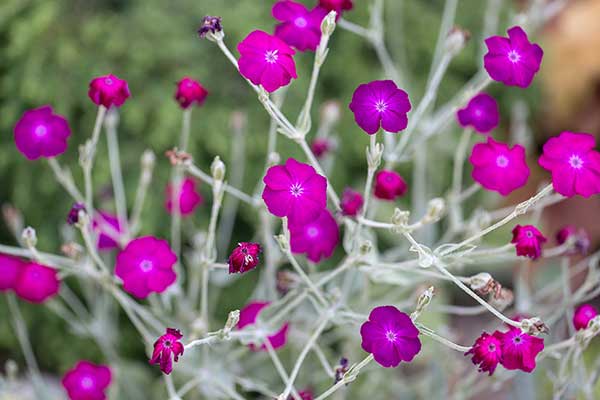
x=73, y=216
x=577, y=236
x=210, y=24
x=167, y=349
x=244, y=257
x=528, y=241
x=487, y=352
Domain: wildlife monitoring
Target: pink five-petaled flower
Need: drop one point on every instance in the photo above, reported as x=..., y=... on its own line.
x=351, y=202
x=87, y=381
x=10, y=267
x=248, y=316
x=317, y=238
x=336, y=5
x=36, y=283
x=244, y=257
x=380, y=104
x=389, y=185
x=146, y=266
x=519, y=349
x=513, y=61
x=578, y=237
x=528, y=241
x=299, y=27
x=189, y=198
x=190, y=92
x=487, y=352
x=390, y=336
x=481, y=113
x=266, y=60
x=41, y=133
x=583, y=315
x=574, y=164
x=498, y=167
x=167, y=349
x=108, y=90
x=105, y=224
x=295, y=190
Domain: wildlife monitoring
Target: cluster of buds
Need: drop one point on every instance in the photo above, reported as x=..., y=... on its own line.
x=178, y=157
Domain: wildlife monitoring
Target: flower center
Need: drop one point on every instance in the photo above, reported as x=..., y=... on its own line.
x=501, y=161
x=576, y=161
x=391, y=336
x=492, y=348
x=296, y=190
x=381, y=106
x=312, y=232
x=477, y=112
x=513, y=56
x=108, y=81
x=517, y=340
x=300, y=22
x=146, y=265
x=167, y=343
x=40, y=131
x=87, y=382
x=271, y=56
x=529, y=234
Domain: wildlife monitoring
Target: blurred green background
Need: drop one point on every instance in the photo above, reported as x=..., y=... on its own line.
x=49, y=51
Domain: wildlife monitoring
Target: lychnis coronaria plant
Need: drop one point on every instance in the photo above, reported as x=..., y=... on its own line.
x=342, y=285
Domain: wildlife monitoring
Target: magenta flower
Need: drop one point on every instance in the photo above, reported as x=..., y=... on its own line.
x=321, y=146
x=146, y=266
x=528, y=241
x=317, y=238
x=498, y=167
x=299, y=27
x=390, y=336
x=41, y=133
x=351, y=203
x=389, y=185
x=36, y=283
x=481, y=113
x=513, y=61
x=574, y=164
x=244, y=257
x=248, y=316
x=266, y=60
x=336, y=5
x=189, y=197
x=103, y=224
x=380, y=104
x=87, y=381
x=306, y=394
x=294, y=190
x=190, y=92
x=167, y=349
x=577, y=236
x=108, y=90
x=487, y=353
x=583, y=315
x=10, y=268
x=519, y=349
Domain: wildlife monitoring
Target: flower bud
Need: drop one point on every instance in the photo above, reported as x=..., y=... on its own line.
x=328, y=24
x=29, y=237
x=456, y=40
x=211, y=28
x=148, y=159
x=435, y=210
x=232, y=320
x=217, y=169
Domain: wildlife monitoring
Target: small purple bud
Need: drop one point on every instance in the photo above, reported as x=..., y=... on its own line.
x=210, y=24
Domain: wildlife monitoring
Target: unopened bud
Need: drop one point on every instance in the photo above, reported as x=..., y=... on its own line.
x=217, y=168
x=435, y=210
x=29, y=237
x=456, y=40
x=328, y=24
x=232, y=320
x=148, y=159
x=424, y=299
